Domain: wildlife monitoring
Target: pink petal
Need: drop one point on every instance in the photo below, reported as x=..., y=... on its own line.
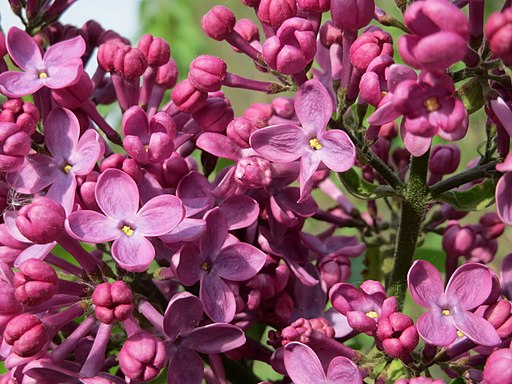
x=64, y=76
x=217, y=298
x=35, y=251
x=133, y=253
x=436, y=329
x=302, y=364
x=93, y=227
x=182, y=315
x=342, y=370
x=308, y=165
x=280, y=143
x=185, y=367
x=425, y=284
x=135, y=123
x=239, y=262
x=476, y=328
x=338, y=152
x=216, y=233
x=313, y=106
x=439, y=50
x=416, y=145
x=218, y=145
x=188, y=230
x=194, y=190
x=63, y=191
x=385, y=113
x=18, y=84
x=397, y=73
x=506, y=276
x=504, y=198
x=159, y=215
x=63, y=51
x=468, y=294
x=89, y=149
x=188, y=270
x=37, y=172
x=215, y=338
x=23, y=49
x=117, y=194
x=61, y=133
x=240, y=211
x=502, y=112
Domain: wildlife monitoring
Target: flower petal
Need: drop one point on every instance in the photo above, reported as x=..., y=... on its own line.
x=216, y=233
x=302, y=364
x=18, y=84
x=240, y=211
x=36, y=251
x=342, y=370
x=425, y=283
x=239, y=262
x=462, y=285
x=217, y=298
x=188, y=230
x=37, y=172
x=215, y=338
x=117, y=194
x=504, y=198
x=159, y=215
x=188, y=270
x=89, y=149
x=308, y=165
x=185, y=367
x=23, y=50
x=133, y=253
x=182, y=315
x=61, y=133
x=313, y=106
x=502, y=112
x=416, y=145
x=92, y=227
x=63, y=51
x=218, y=145
x=506, y=276
x=338, y=152
x=476, y=328
x=63, y=191
x=436, y=329
x=280, y=143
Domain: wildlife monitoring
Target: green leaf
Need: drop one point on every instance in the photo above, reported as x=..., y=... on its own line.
x=361, y=188
x=475, y=198
x=471, y=94
x=458, y=380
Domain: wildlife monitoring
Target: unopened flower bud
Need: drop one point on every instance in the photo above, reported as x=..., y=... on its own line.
x=492, y=226
x=218, y=23
x=498, y=368
x=458, y=241
x=187, y=97
x=299, y=330
x=142, y=357
x=322, y=325
x=444, y=159
x=483, y=250
x=130, y=62
x=329, y=34
x=75, y=95
x=156, y=50
x=259, y=114
x=26, y=334
x=107, y=52
x=352, y=14
x=207, y=73
x=248, y=30
x=41, y=221
x=14, y=145
x=334, y=269
x=35, y=282
x=23, y=113
x=499, y=34
x=283, y=107
x=167, y=74
x=112, y=302
x=316, y=6
x=371, y=44
x=398, y=335
x=253, y=172
x=276, y=12
x=215, y=115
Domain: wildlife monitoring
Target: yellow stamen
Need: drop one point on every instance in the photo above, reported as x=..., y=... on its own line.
x=146, y=147
x=205, y=266
x=127, y=230
x=460, y=334
x=372, y=314
x=446, y=312
x=43, y=75
x=432, y=104
x=315, y=144
x=67, y=168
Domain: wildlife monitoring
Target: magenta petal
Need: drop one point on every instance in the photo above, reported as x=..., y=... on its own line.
x=217, y=298
x=308, y=165
x=280, y=143
x=159, y=215
x=61, y=133
x=338, y=152
x=302, y=364
x=133, y=253
x=384, y=114
x=18, y=84
x=406, y=46
x=185, y=367
x=182, y=315
x=135, y=123
x=506, y=276
x=23, y=49
x=215, y=338
x=36, y=173
x=216, y=233
x=476, y=328
x=425, y=283
x=35, y=251
x=218, y=145
x=239, y=262
x=416, y=145
x=342, y=370
x=117, y=194
x=240, y=211
x=504, y=198
x=93, y=227
x=188, y=270
x=440, y=50
x=502, y=112
x=436, y=329
x=63, y=191
x=469, y=296
x=188, y=230
x=63, y=51
x=313, y=106
x=64, y=76
x=194, y=190
x=397, y=73
x=89, y=149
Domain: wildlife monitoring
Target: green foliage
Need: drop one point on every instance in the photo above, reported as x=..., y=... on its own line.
x=475, y=198
x=471, y=94
x=361, y=188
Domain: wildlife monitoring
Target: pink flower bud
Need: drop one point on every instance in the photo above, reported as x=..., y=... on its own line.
x=293, y=47
x=215, y=115
x=275, y=12
x=24, y=114
x=41, y=221
x=142, y=357
x=87, y=191
x=248, y=30
x=371, y=44
x=458, y=241
x=26, y=334
x=167, y=74
x=35, y=282
x=94, y=30
x=207, y=73
x=218, y=23
x=329, y=34
x=483, y=250
x=321, y=324
x=352, y=14
x=299, y=330
x=499, y=34
x=251, y=3
x=9, y=305
x=498, y=313
x=259, y=114
x=316, y=6
x=187, y=97
x=129, y=62
x=156, y=50
x=498, y=368
x=107, y=52
x=14, y=145
x=253, y=172
x=112, y=302
x=398, y=335
x=239, y=130
x=283, y=107
x=444, y=159
x=334, y=269
x=492, y=226
x=76, y=95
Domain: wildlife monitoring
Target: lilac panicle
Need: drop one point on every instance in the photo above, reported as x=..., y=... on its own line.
x=449, y=309
x=122, y=221
x=60, y=66
x=312, y=143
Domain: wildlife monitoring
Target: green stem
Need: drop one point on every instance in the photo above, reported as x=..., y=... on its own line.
x=412, y=214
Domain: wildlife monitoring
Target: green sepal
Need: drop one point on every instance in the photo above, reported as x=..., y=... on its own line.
x=471, y=94
x=362, y=189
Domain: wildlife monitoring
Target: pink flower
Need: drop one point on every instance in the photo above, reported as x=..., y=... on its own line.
x=122, y=222
x=60, y=66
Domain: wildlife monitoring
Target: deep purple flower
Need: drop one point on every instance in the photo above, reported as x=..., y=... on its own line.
x=60, y=66
x=311, y=142
x=123, y=222
x=450, y=308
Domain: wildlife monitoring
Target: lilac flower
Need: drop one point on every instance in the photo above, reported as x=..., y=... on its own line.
x=450, y=308
x=70, y=157
x=304, y=367
x=60, y=66
x=427, y=104
x=311, y=142
x=218, y=257
x=122, y=221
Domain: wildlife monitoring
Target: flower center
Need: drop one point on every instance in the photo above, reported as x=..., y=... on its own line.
x=43, y=75
x=446, y=312
x=67, y=168
x=460, y=334
x=205, y=266
x=432, y=104
x=127, y=230
x=315, y=144
x=372, y=314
